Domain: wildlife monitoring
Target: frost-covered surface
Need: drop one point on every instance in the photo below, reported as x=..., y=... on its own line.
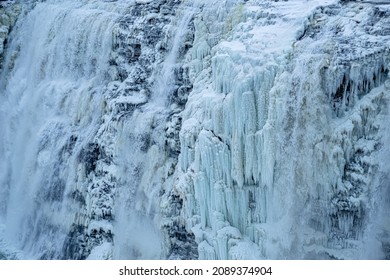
x=190, y=129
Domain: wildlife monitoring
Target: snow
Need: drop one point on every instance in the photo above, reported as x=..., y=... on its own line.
x=101, y=252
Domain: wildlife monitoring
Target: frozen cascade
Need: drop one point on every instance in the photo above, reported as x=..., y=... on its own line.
x=188, y=129
x=280, y=144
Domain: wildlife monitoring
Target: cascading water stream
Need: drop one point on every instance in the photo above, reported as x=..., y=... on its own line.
x=137, y=230
x=50, y=109
x=165, y=78
x=56, y=77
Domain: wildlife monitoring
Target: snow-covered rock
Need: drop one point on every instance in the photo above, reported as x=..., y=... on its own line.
x=9, y=12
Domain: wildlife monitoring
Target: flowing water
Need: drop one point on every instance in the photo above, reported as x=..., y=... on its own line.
x=57, y=62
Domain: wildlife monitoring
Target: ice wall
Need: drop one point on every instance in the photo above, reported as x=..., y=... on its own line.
x=284, y=130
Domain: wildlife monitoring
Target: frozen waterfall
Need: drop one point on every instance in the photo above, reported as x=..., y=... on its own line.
x=188, y=129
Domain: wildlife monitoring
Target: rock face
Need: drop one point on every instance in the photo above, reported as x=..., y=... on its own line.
x=188, y=129
x=8, y=16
